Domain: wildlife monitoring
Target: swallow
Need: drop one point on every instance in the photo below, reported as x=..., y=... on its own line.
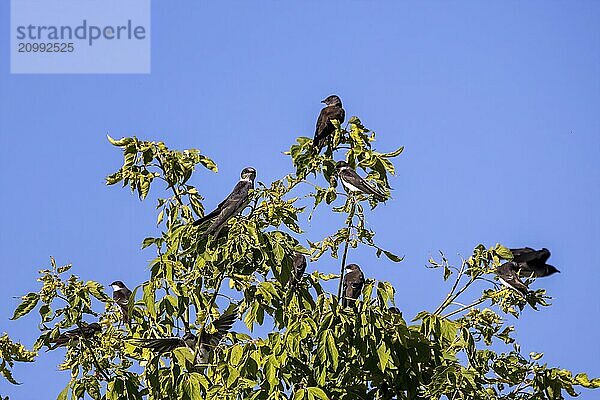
x=332, y=110
x=355, y=184
x=532, y=263
x=85, y=331
x=121, y=295
x=298, y=268
x=234, y=204
x=509, y=277
x=208, y=341
x=354, y=281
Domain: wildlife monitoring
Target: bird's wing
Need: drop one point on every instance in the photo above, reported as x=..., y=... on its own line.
x=322, y=125
x=208, y=216
x=350, y=177
x=530, y=256
x=353, y=285
x=509, y=277
x=86, y=331
x=352, y=289
x=238, y=195
x=341, y=115
x=235, y=202
x=544, y=255
x=522, y=269
x=122, y=297
x=222, y=324
x=520, y=255
x=298, y=268
x=160, y=345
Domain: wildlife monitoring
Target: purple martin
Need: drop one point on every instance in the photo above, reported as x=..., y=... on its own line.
x=208, y=341
x=353, y=183
x=85, y=331
x=532, y=263
x=332, y=110
x=234, y=204
x=121, y=295
x=509, y=277
x=354, y=281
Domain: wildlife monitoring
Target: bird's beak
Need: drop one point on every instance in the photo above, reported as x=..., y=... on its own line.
x=323, y=101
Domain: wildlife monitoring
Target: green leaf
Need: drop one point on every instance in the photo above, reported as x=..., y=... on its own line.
x=183, y=354
x=63, y=395
x=119, y=143
x=394, y=153
x=503, y=252
x=29, y=302
x=209, y=164
x=317, y=392
x=583, y=380
x=64, y=268
x=271, y=371
x=384, y=356
x=149, y=300
x=536, y=356
x=300, y=394
x=97, y=290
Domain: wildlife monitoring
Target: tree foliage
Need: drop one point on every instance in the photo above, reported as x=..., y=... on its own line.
x=314, y=348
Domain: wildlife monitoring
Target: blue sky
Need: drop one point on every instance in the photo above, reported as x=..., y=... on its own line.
x=498, y=105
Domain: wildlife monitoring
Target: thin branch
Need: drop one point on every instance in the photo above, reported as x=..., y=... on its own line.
x=464, y=308
x=170, y=185
x=209, y=308
x=449, y=298
x=82, y=340
x=344, y=256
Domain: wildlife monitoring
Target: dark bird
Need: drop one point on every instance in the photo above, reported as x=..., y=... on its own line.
x=509, y=277
x=85, y=331
x=208, y=341
x=354, y=183
x=234, y=204
x=532, y=263
x=394, y=310
x=298, y=268
x=332, y=110
x=121, y=295
x=354, y=281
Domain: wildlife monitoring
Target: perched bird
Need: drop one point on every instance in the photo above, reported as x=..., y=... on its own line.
x=332, y=110
x=532, y=263
x=208, y=341
x=354, y=281
x=121, y=295
x=394, y=310
x=354, y=183
x=234, y=204
x=85, y=331
x=298, y=268
x=509, y=277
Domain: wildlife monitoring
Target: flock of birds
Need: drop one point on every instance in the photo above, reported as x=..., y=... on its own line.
x=526, y=262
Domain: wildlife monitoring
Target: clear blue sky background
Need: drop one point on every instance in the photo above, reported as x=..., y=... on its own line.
x=498, y=106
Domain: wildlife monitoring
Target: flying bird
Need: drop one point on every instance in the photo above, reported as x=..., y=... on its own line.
x=354, y=183
x=509, y=277
x=85, y=331
x=234, y=204
x=121, y=295
x=354, y=281
x=332, y=110
x=532, y=263
x=298, y=268
x=208, y=341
